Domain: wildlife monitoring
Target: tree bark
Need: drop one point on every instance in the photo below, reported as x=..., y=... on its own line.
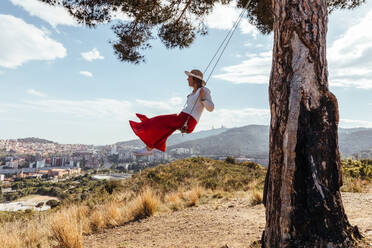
x=302, y=186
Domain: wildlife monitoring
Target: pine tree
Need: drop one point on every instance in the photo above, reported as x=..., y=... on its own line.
x=302, y=186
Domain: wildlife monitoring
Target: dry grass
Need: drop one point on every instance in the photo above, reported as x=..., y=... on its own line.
x=354, y=185
x=82, y=216
x=20, y=234
x=113, y=214
x=97, y=219
x=256, y=197
x=173, y=201
x=66, y=229
x=144, y=205
x=192, y=196
x=9, y=236
x=33, y=234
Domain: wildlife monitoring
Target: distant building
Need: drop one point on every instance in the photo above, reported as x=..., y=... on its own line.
x=127, y=155
x=12, y=164
x=182, y=150
x=63, y=172
x=114, y=150
x=150, y=158
x=40, y=164
x=92, y=163
x=124, y=166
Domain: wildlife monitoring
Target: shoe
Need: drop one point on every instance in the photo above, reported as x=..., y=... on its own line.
x=143, y=152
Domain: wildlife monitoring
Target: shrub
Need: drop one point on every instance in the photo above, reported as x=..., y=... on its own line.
x=66, y=230
x=52, y=203
x=145, y=205
x=230, y=160
x=39, y=205
x=112, y=185
x=256, y=197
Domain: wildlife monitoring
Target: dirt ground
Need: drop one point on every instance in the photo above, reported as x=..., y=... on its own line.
x=232, y=222
x=34, y=199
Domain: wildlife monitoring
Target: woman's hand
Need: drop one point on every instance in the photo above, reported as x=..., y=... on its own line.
x=202, y=94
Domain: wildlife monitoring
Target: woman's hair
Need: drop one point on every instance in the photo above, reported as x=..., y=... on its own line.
x=198, y=82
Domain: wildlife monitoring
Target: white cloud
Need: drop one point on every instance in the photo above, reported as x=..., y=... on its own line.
x=172, y=105
x=353, y=43
x=349, y=56
x=22, y=42
x=54, y=15
x=349, y=123
x=254, y=70
x=92, y=55
x=234, y=118
x=35, y=93
x=348, y=60
x=96, y=108
x=224, y=16
x=86, y=73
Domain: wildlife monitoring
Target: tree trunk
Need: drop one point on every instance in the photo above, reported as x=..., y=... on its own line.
x=302, y=186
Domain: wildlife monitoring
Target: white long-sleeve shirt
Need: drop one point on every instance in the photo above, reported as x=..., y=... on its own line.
x=194, y=99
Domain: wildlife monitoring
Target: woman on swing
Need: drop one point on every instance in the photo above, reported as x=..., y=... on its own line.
x=155, y=131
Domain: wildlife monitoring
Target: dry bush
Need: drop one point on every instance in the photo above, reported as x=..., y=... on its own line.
x=9, y=236
x=97, y=218
x=350, y=184
x=122, y=196
x=173, y=201
x=144, y=205
x=219, y=194
x=192, y=196
x=113, y=214
x=82, y=212
x=66, y=229
x=35, y=233
x=256, y=197
x=253, y=184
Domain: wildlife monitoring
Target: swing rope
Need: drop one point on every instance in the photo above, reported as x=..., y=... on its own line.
x=223, y=44
x=226, y=41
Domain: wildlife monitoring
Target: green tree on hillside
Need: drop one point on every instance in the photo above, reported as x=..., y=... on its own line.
x=301, y=195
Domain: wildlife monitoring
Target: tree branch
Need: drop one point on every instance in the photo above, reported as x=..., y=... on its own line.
x=184, y=10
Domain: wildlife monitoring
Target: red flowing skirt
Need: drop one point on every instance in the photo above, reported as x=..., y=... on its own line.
x=155, y=131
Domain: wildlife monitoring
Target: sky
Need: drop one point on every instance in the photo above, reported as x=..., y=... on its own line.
x=62, y=81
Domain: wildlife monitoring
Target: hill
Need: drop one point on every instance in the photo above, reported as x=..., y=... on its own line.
x=187, y=203
x=253, y=141
x=177, y=137
x=354, y=141
x=34, y=140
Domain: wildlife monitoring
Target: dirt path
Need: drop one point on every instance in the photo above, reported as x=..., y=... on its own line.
x=233, y=222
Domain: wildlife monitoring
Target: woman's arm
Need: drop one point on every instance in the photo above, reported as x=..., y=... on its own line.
x=206, y=99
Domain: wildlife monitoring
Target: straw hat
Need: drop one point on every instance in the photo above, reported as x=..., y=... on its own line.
x=197, y=74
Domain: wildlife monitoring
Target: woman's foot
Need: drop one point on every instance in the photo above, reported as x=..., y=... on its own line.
x=144, y=152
